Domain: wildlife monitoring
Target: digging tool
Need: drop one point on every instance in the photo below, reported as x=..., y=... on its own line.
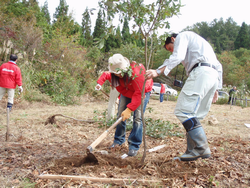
x=107, y=95
x=90, y=156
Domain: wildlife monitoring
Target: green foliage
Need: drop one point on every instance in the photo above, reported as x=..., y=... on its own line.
x=154, y=128
x=130, y=51
x=118, y=37
x=99, y=26
x=45, y=11
x=222, y=101
x=63, y=22
x=243, y=38
x=60, y=86
x=219, y=33
x=87, y=39
x=236, y=67
x=125, y=32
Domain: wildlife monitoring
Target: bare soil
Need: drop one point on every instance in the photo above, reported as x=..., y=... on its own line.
x=35, y=149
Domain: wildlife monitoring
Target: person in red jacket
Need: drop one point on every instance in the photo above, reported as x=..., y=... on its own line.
x=128, y=79
x=148, y=89
x=162, y=92
x=10, y=76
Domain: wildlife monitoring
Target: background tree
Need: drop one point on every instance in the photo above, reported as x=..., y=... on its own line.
x=87, y=39
x=125, y=32
x=45, y=11
x=118, y=37
x=99, y=26
x=63, y=21
x=243, y=38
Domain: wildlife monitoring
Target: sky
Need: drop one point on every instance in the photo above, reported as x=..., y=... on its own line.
x=193, y=12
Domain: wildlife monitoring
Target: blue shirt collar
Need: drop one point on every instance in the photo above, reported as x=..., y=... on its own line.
x=13, y=61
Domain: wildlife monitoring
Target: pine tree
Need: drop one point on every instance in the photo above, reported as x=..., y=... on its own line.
x=118, y=37
x=63, y=21
x=125, y=32
x=86, y=29
x=110, y=43
x=99, y=26
x=242, y=40
x=45, y=11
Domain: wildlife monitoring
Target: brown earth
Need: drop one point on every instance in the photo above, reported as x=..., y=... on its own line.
x=37, y=149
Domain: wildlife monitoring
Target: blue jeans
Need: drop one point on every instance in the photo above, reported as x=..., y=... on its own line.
x=161, y=97
x=146, y=100
x=135, y=137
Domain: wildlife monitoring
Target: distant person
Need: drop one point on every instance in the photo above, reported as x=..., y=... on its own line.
x=231, y=93
x=130, y=87
x=10, y=77
x=199, y=91
x=148, y=88
x=162, y=92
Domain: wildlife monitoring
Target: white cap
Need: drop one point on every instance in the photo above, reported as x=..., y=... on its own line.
x=117, y=61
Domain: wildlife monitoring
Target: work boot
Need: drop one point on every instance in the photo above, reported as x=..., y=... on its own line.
x=132, y=152
x=9, y=105
x=197, y=146
x=113, y=145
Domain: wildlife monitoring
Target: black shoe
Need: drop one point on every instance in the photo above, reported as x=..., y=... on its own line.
x=132, y=152
x=113, y=145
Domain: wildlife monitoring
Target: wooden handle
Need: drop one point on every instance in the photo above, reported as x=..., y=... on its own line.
x=104, y=93
x=107, y=95
x=102, y=136
x=7, y=128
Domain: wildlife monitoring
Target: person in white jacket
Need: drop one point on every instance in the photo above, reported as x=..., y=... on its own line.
x=200, y=90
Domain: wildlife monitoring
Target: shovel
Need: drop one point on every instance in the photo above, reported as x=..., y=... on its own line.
x=90, y=156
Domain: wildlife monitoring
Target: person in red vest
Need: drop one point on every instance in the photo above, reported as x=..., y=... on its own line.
x=128, y=79
x=10, y=77
x=162, y=92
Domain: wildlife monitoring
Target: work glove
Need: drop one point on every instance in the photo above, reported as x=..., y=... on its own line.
x=98, y=87
x=126, y=114
x=20, y=89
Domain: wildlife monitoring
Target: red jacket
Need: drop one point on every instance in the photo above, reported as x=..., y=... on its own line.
x=149, y=85
x=163, y=90
x=10, y=75
x=134, y=88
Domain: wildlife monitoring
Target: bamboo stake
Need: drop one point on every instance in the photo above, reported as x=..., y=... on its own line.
x=99, y=180
x=7, y=128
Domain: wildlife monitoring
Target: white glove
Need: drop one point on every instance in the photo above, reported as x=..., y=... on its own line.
x=98, y=87
x=20, y=89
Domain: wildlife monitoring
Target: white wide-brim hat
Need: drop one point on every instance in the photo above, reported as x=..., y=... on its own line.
x=116, y=62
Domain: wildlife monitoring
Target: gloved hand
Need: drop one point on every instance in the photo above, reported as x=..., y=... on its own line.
x=20, y=89
x=126, y=114
x=98, y=87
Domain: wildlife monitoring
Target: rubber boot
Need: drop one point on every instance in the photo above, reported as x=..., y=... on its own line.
x=190, y=144
x=9, y=105
x=197, y=145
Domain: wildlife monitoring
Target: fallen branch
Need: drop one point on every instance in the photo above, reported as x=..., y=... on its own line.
x=52, y=120
x=99, y=180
